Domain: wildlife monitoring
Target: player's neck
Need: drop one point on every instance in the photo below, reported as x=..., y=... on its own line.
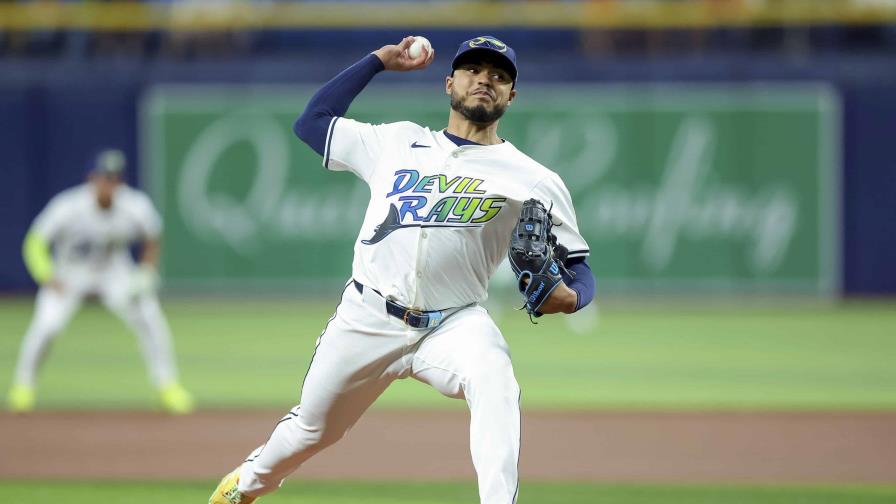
x=479, y=133
x=104, y=203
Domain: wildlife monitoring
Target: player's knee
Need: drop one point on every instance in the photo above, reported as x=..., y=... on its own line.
x=331, y=436
x=493, y=375
x=493, y=363
x=48, y=327
x=318, y=439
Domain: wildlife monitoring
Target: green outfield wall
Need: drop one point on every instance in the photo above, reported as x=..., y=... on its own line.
x=680, y=188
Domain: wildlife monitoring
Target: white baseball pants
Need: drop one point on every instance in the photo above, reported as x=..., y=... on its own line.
x=142, y=314
x=363, y=350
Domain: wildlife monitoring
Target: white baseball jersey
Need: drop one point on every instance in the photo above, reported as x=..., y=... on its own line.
x=440, y=215
x=85, y=235
x=91, y=255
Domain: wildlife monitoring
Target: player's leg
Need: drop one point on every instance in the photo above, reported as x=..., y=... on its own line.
x=143, y=314
x=144, y=317
x=467, y=358
x=53, y=309
x=356, y=358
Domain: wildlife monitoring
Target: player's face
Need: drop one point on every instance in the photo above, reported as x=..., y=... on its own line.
x=480, y=91
x=104, y=188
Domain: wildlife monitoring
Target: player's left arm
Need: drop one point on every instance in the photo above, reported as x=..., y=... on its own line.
x=575, y=292
x=145, y=277
x=150, y=252
x=578, y=286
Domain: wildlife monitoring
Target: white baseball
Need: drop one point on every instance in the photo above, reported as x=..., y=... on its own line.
x=416, y=49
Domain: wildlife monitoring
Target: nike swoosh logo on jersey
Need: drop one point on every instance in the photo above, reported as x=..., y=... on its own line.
x=415, y=145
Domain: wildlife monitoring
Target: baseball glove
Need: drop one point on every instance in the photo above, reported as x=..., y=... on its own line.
x=535, y=256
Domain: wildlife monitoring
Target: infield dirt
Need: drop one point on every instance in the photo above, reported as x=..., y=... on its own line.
x=698, y=447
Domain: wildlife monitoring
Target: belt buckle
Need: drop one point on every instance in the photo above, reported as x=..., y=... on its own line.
x=431, y=319
x=408, y=312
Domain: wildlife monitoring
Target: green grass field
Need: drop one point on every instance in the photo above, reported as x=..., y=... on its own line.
x=723, y=355
x=442, y=493
x=684, y=356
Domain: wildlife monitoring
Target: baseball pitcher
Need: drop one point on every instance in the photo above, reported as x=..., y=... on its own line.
x=78, y=246
x=446, y=208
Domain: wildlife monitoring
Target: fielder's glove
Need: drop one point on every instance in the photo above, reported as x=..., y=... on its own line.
x=535, y=256
x=143, y=280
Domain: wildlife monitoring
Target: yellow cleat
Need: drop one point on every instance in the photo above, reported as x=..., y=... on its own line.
x=175, y=399
x=228, y=492
x=21, y=398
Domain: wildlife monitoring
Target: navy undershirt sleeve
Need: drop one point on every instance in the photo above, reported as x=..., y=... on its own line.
x=583, y=283
x=333, y=100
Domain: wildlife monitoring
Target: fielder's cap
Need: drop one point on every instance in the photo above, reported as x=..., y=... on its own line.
x=487, y=47
x=110, y=162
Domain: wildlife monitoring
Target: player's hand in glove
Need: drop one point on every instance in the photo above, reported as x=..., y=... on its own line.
x=533, y=255
x=143, y=280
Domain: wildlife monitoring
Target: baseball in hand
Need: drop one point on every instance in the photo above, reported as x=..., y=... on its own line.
x=416, y=49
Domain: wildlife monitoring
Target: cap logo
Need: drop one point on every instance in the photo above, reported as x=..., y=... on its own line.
x=489, y=43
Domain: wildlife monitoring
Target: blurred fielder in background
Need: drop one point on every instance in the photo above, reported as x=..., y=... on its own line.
x=79, y=246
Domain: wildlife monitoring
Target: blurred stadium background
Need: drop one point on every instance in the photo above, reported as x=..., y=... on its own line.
x=731, y=162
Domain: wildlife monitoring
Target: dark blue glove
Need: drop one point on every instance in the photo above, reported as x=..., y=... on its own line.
x=532, y=256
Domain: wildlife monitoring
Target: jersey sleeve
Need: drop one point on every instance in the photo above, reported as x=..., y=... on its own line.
x=355, y=146
x=149, y=223
x=553, y=193
x=51, y=220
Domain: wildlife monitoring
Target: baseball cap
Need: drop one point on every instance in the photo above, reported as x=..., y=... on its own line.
x=489, y=47
x=110, y=162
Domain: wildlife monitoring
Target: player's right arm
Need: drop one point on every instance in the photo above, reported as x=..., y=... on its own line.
x=38, y=259
x=333, y=99
x=36, y=247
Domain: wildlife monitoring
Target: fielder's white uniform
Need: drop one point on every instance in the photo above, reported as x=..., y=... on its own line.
x=91, y=256
x=456, y=209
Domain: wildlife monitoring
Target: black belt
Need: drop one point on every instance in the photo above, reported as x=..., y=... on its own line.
x=414, y=318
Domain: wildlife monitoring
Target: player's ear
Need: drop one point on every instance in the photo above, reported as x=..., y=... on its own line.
x=449, y=83
x=511, y=97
